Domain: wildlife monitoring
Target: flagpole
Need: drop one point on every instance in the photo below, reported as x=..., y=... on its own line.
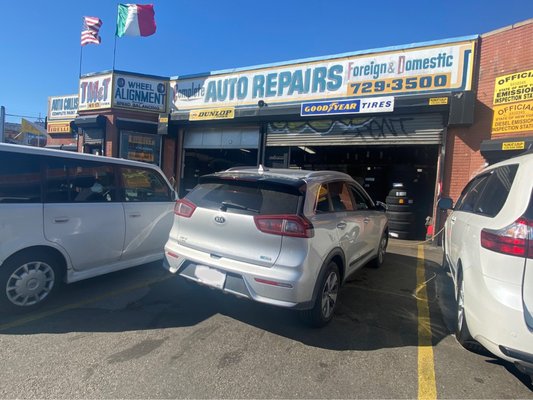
x=81, y=48
x=114, y=51
x=115, y=45
x=81, y=57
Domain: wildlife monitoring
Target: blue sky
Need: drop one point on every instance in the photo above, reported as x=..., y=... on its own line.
x=40, y=45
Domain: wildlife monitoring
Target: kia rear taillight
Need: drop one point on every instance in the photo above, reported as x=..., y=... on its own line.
x=184, y=208
x=515, y=239
x=285, y=225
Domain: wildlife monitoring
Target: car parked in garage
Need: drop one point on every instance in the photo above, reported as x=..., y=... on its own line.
x=488, y=246
x=67, y=216
x=284, y=237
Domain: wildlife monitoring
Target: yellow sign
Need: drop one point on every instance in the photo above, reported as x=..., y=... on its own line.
x=513, y=118
x=514, y=87
x=58, y=127
x=513, y=145
x=212, y=113
x=30, y=127
x=437, y=101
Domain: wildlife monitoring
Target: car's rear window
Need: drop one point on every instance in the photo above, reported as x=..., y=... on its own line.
x=247, y=197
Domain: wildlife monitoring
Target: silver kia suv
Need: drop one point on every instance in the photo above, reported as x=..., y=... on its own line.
x=284, y=237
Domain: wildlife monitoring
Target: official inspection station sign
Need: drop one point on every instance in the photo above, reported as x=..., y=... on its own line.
x=513, y=103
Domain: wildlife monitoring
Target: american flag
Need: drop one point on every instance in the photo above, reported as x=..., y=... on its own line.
x=89, y=33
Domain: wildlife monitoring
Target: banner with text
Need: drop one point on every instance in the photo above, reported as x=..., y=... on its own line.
x=62, y=107
x=430, y=69
x=139, y=93
x=513, y=103
x=95, y=92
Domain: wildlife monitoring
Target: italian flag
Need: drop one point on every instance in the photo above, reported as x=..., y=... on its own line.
x=135, y=20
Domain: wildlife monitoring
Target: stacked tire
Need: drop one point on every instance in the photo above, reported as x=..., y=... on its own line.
x=400, y=211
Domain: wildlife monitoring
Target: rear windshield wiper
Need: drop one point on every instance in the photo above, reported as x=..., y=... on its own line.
x=226, y=204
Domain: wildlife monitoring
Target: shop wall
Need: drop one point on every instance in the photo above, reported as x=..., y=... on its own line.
x=501, y=52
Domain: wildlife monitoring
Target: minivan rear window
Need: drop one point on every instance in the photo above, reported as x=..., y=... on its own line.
x=496, y=190
x=247, y=197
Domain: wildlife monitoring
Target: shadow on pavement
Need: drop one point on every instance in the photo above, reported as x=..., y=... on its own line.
x=377, y=308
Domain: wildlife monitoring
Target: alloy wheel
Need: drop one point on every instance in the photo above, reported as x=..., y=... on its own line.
x=329, y=294
x=460, y=305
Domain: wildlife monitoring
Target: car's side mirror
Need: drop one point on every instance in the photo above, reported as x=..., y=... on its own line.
x=445, y=203
x=380, y=206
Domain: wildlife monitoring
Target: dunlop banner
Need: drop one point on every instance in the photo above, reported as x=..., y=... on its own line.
x=212, y=113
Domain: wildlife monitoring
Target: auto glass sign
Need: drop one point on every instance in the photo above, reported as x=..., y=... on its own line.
x=95, y=92
x=139, y=93
x=430, y=69
x=62, y=107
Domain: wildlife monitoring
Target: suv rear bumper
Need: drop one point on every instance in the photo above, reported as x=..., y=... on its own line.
x=289, y=287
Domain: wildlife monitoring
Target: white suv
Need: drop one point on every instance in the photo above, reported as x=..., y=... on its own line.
x=488, y=245
x=278, y=236
x=67, y=216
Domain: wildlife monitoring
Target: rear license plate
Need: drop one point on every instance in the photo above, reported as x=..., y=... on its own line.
x=210, y=276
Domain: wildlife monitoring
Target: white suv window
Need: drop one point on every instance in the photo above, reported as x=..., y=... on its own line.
x=486, y=194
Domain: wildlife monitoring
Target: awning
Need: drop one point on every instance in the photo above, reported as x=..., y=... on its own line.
x=136, y=125
x=501, y=149
x=90, y=121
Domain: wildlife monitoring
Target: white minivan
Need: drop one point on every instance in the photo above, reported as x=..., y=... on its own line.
x=67, y=216
x=488, y=246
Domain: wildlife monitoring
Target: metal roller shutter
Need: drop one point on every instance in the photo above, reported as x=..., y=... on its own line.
x=222, y=138
x=400, y=129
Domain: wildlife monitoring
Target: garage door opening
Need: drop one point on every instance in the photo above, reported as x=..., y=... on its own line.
x=377, y=168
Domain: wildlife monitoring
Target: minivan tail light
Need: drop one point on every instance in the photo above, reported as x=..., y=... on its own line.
x=285, y=225
x=515, y=239
x=184, y=208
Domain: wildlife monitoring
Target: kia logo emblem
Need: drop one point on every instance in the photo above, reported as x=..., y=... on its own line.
x=219, y=219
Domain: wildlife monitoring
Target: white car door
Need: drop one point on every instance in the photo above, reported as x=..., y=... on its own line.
x=373, y=222
x=336, y=213
x=148, y=212
x=81, y=212
x=458, y=224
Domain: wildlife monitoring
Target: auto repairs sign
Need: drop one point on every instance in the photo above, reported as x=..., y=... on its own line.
x=62, y=107
x=139, y=93
x=513, y=103
x=95, y=92
x=429, y=69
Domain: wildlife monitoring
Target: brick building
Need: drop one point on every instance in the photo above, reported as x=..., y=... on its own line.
x=502, y=52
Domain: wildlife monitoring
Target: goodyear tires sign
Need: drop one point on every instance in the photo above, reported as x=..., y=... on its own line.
x=356, y=106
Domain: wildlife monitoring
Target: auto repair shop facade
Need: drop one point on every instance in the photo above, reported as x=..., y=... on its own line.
x=379, y=116
x=420, y=115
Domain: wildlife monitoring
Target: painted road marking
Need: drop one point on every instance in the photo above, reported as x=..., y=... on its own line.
x=427, y=388
x=36, y=317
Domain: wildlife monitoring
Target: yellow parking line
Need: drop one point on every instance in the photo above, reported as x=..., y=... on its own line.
x=427, y=388
x=35, y=317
